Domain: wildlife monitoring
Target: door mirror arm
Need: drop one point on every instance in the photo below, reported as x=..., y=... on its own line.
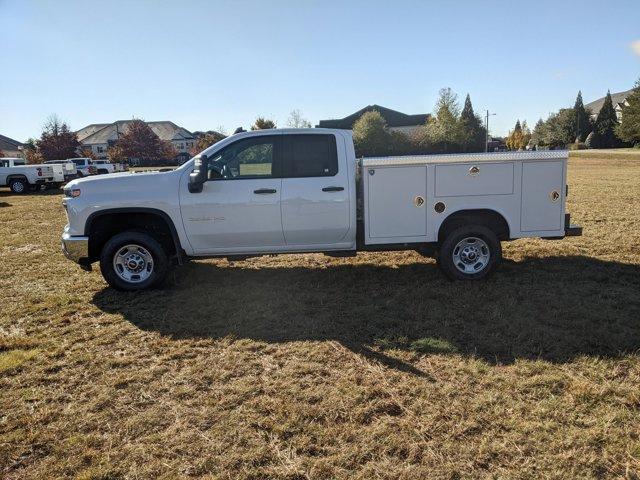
x=199, y=174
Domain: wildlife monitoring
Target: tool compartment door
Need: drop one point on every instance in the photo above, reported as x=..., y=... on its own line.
x=396, y=203
x=542, y=196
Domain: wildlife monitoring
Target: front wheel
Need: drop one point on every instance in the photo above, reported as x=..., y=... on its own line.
x=18, y=185
x=133, y=261
x=470, y=252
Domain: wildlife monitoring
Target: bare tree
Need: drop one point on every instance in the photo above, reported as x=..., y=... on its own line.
x=296, y=120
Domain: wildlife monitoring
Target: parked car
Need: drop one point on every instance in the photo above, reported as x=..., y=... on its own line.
x=105, y=166
x=21, y=178
x=302, y=190
x=84, y=167
x=69, y=168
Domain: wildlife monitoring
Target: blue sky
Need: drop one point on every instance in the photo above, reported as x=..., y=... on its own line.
x=206, y=64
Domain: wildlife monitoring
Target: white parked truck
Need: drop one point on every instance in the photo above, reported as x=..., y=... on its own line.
x=84, y=166
x=69, y=169
x=105, y=166
x=303, y=190
x=21, y=178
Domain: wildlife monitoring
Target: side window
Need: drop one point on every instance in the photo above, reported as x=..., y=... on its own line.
x=311, y=156
x=248, y=158
x=4, y=163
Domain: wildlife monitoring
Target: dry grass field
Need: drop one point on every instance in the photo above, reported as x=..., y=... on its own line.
x=310, y=367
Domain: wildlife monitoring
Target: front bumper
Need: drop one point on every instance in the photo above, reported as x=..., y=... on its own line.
x=76, y=249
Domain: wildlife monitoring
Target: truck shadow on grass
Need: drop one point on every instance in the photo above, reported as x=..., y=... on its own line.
x=554, y=308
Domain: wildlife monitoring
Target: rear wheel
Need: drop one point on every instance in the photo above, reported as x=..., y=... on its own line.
x=18, y=185
x=133, y=261
x=470, y=252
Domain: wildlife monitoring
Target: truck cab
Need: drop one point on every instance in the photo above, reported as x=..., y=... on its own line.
x=303, y=190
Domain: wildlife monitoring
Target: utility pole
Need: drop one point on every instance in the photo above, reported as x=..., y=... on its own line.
x=486, y=143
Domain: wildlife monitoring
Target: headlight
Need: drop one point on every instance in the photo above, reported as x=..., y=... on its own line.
x=71, y=192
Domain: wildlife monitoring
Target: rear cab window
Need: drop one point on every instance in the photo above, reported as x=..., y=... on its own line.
x=310, y=155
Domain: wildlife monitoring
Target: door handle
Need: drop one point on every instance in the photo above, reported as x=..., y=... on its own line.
x=333, y=189
x=262, y=191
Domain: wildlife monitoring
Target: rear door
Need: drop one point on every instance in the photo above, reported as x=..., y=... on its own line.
x=315, y=193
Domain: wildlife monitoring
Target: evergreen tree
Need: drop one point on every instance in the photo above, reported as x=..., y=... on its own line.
x=559, y=131
x=473, y=133
x=262, y=123
x=582, y=119
x=629, y=128
x=605, y=126
x=538, y=135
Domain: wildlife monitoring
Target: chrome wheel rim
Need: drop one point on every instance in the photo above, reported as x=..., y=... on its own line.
x=18, y=187
x=133, y=263
x=471, y=255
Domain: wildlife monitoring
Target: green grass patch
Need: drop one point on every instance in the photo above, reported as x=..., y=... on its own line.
x=13, y=359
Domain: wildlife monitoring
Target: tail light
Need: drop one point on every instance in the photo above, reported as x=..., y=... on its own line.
x=39, y=171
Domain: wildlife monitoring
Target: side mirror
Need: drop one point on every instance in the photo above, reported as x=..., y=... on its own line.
x=199, y=174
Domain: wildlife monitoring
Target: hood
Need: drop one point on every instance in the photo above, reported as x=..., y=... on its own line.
x=112, y=180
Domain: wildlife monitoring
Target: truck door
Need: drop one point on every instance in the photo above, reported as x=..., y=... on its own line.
x=239, y=206
x=315, y=190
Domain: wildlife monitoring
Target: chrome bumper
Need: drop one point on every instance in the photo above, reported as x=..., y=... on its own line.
x=75, y=248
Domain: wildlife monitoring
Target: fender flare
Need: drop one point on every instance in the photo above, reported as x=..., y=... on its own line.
x=17, y=176
x=464, y=210
x=152, y=211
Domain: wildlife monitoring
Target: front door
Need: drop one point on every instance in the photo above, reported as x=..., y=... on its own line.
x=239, y=206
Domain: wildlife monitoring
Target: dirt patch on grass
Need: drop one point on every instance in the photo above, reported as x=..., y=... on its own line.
x=315, y=367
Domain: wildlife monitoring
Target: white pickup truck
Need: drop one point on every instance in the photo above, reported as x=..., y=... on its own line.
x=69, y=170
x=105, y=166
x=303, y=190
x=21, y=178
x=84, y=166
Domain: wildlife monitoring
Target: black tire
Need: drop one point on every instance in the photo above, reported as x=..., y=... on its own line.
x=19, y=185
x=469, y=235
x=147, y=242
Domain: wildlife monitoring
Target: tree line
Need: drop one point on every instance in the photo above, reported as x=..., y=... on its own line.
x=450, y=130
x=576, y=128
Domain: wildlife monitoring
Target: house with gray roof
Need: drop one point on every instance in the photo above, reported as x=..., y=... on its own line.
x=10, y=147
x=619, y=100
x=100, y=136
x=396, y=121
